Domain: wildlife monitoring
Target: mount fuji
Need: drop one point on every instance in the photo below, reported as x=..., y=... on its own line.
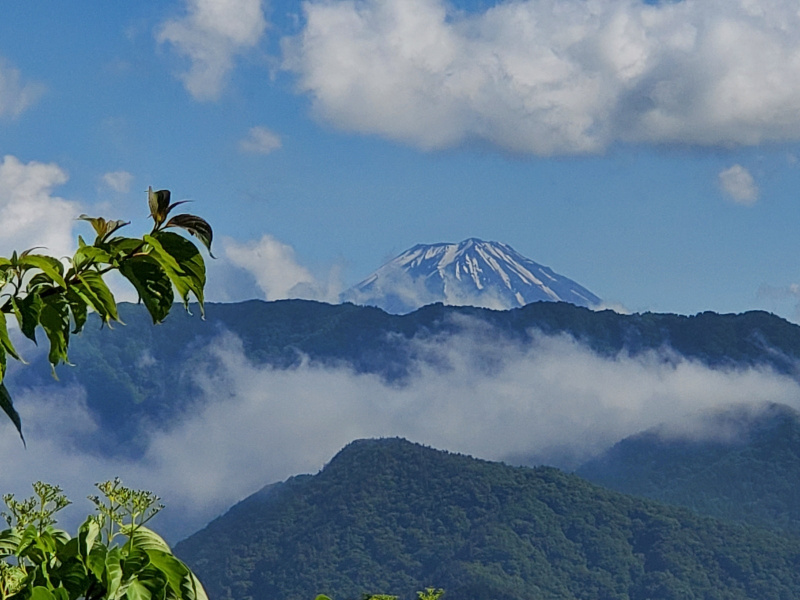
x=471, y=273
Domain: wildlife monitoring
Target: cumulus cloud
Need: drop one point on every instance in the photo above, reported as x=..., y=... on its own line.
x=477, y=393
x=260, y=140
x=211, y=35
x=552, y=77
x=29, y=212
x=119, y=181
x=277, y=272
x=739, y=185
x=15, y=94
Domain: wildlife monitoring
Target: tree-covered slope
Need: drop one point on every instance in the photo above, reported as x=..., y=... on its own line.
x=391, y=516
x=144, y=370
x=749, y=474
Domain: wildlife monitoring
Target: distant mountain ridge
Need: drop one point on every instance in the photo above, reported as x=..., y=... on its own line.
x=470, y=273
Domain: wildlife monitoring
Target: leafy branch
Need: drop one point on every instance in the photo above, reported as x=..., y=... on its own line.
x=40, y=562
x=56, y=295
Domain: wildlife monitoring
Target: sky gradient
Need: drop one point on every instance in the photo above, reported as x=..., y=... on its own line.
x=649, y=151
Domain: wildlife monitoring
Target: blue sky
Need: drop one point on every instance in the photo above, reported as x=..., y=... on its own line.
x=650, y=152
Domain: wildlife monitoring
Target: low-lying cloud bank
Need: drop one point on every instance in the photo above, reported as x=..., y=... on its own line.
x=554, y=77
x=477, y=393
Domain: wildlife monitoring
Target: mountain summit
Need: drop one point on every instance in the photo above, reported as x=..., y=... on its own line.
x=471, y=273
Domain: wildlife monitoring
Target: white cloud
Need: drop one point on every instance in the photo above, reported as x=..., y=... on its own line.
x=15, y=95
x=211, y=35
x=119, y=181
x=739, y=185
x=29, y=212
x=260, y=140
x=277, y=273
x=552, y=77
x=486, y=396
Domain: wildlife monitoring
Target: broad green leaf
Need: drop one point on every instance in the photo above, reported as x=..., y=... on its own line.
x=182, y=581
x=54, y=319
x=96, y=561
x=146, y=539
x=5, y=340
x=41, y=593
x=87, y=535
x=52, y=267
x=93, y=289
x=113, y=573
x=9, y=542
x=77, y=306
x=136, y=560
x=152, y=284
x=60, y=594
x=27, y=310
x=182, y=262
x=194, y=225
x=137, y=591
x=90, y=255
x=8, y=407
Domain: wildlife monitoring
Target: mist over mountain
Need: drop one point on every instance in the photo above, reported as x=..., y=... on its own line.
x=471, y=273
x=204, y=412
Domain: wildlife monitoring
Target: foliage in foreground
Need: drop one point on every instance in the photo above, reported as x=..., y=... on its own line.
x=112, y=557
x=56, y=295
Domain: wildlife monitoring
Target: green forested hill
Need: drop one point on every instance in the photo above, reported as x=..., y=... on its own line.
x=391, y=516
x=752, y=475
x=139, y=369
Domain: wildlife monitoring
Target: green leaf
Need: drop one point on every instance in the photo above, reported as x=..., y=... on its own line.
x=181, y=579
x=90, y=255
x=54, y=319
x=41, y=593
x=146, y=539
x=137, y=591
x=87, y=535
x=52, y=267
x=151, y=283
x=194, y=225
x=5, y=340
x=96, y=561
x=9, y=542
x=8, y=407
x=27, y=310
x=77, y=306
x=113, y=573
x=91, y=287
x=182, y=262
x=136, y=560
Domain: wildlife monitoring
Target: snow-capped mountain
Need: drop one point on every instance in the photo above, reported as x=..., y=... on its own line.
x=473, y=273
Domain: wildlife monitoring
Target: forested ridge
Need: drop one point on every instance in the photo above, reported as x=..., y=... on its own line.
x=750, y=475
x=392, y=516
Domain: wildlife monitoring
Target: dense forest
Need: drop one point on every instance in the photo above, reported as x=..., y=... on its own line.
x=750, y=475
x=391, y=516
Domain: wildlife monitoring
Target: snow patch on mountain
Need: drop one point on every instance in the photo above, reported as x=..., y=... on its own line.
x=471, y=273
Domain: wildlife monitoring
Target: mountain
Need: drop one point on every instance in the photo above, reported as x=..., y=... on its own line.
x=745, y=466
x=389, y=516
x=471, y=273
